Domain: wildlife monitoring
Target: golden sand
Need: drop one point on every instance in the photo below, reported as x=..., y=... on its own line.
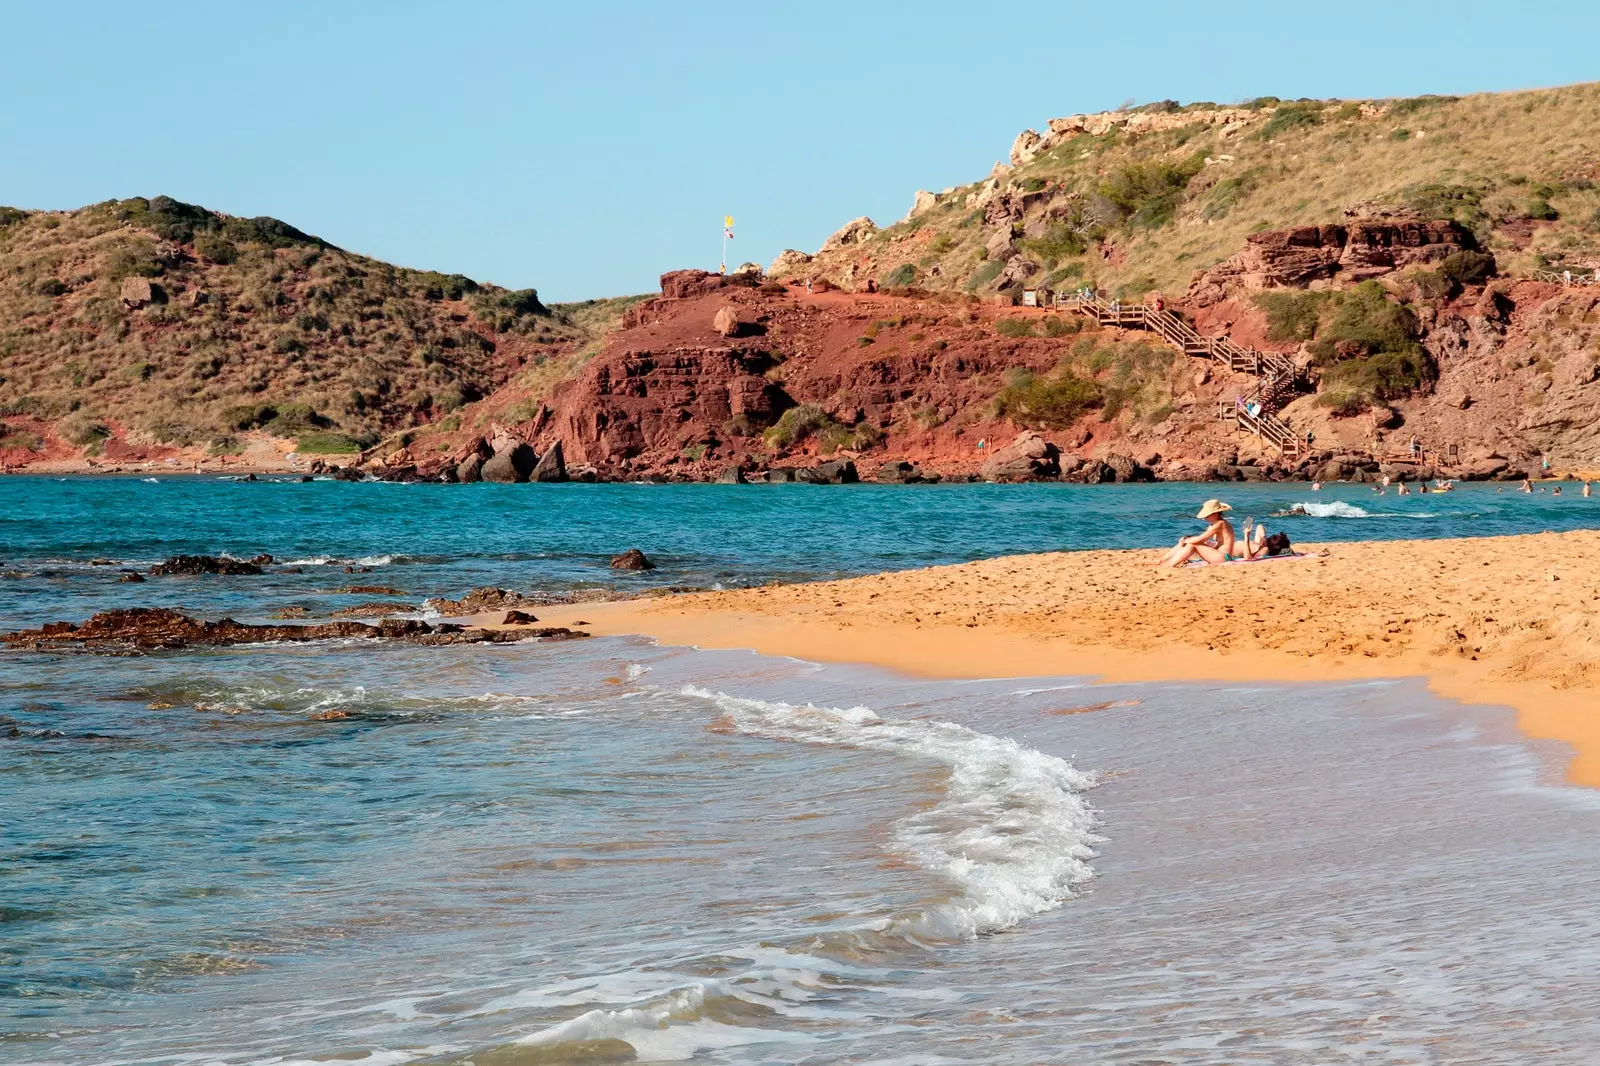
x=1501, y=620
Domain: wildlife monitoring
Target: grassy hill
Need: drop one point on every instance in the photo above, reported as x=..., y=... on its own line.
x=1132, y=209
x=162, y=322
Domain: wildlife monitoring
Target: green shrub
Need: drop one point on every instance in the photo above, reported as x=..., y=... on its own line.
x=1060, y=241
x=225, y=446
x=1014, y=327
x=1226, y=194
x=326, y=444
x=795, y=425
x=139, y=261
x=941, y=244
x=52, y=287
x=1147, y=194
x=281, y=420
x=1059, y=325
x=1468, y=267
x=900, y=276
x=1461, y=203
x=1369, y=346
x=1540, y=210
x=1344, y=404
x=1433, y=285
x=834, y=437
x=1291, y=316
x=1049, y=403
x=984, y=274
x=1418, y=103
x=216, y=249
x=1290, y=117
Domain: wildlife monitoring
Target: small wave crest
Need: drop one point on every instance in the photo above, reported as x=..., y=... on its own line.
x=672, y=1027
x=1341, y=509
x=1332, y=509
x=330, y=560
x=1013, y=830
x=316, y=703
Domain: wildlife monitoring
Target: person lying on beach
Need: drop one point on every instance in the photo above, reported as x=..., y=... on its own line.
x=1216, y=545
x=1261, y=546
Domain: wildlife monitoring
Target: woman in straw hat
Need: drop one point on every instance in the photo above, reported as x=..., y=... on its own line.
x=1215, y=545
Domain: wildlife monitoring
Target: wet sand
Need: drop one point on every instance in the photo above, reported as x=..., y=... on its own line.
x=1498, y=620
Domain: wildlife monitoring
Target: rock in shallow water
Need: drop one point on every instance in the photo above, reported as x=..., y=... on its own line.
x=479, y=601
x=632, y=559
x=207, y=564
x=148, y=628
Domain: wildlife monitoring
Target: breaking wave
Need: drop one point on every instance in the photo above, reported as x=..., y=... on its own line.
x=1013, y=831
x=1341, y=509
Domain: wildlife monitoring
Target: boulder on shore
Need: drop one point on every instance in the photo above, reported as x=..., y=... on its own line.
x=512, y=463
x=470, y=470
x=1029, y=457
x=733, y=475
x=832, y=472
x=552, y=466
x=901, y=472
x=1124, y=469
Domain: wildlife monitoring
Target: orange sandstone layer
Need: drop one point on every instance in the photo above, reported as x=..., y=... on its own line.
x=1502, y=620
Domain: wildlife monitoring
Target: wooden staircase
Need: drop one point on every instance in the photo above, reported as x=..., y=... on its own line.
x=1278, y=376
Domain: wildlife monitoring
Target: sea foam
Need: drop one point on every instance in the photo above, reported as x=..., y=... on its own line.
x=1012, y=831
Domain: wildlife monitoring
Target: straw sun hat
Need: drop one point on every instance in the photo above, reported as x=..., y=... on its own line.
x=1212, y=507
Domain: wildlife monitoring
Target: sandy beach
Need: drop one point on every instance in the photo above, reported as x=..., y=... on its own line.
x=1501, y=620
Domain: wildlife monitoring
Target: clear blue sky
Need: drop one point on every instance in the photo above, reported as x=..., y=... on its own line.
x=583, y=148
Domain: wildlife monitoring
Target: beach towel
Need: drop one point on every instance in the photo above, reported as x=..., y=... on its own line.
x=1265, y=559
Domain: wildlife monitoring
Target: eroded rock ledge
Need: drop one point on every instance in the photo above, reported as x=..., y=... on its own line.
x=150, y=628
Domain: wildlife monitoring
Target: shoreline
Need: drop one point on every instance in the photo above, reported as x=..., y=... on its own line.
x=1511, y=621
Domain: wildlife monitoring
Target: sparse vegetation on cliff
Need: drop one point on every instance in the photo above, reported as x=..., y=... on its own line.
x=1132, y=209
x=175, y=321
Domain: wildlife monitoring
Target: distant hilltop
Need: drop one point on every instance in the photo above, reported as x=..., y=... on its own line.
x=1139, y=200
x=152, y=327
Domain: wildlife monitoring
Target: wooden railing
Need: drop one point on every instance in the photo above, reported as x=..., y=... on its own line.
x=1568, y=277
x=1279, y=375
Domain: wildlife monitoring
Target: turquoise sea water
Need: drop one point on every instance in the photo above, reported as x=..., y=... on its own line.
x=607, y=851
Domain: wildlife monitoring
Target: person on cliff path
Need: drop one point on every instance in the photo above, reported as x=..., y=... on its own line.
x=1216, y=545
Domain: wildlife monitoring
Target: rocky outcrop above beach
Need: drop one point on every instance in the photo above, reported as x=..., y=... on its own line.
x=1355, y=251
x=152, y=628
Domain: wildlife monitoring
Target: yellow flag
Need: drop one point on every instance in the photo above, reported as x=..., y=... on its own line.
x=728, y=221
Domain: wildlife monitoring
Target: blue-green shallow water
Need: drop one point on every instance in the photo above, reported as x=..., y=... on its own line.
x=443, y=540
x=606, y=851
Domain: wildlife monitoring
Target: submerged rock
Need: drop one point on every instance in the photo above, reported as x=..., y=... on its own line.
x=148, y=628
x=206, y=564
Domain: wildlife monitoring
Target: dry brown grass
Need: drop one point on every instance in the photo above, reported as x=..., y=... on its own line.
x=369, y=347
x=1511, y=149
